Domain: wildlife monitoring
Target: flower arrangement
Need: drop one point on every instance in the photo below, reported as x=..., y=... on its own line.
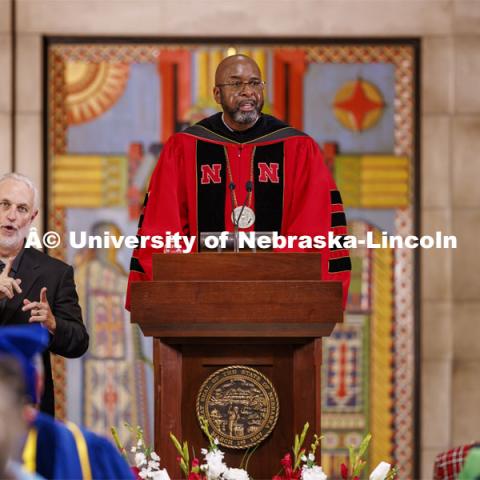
x=303, y=466
x=213, y=468
x=147, y=462
x=300, y=464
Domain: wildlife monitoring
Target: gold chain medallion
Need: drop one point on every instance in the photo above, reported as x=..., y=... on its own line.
x=240, y=404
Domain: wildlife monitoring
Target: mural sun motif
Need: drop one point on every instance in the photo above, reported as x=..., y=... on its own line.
x=358, y=105
x=92, y=89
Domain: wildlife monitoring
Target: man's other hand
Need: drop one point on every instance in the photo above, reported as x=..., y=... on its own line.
x=40, y=311
x=9, y=286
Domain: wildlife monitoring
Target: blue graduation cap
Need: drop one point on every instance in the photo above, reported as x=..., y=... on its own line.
x=23, y=342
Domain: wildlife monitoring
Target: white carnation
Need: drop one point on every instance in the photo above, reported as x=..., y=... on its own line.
x=155, y=457
x=161, y=475
x=235, y=474
x=215, y=465
x=313, y=473
x=380, y=472
x=140, y=459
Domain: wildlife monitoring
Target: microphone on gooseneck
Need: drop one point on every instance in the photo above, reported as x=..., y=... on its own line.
x=231, y=187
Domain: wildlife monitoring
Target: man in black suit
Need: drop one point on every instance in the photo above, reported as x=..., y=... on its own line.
x=33, y=286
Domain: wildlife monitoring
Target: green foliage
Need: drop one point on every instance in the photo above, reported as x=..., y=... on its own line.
x=356, y=456
x=206, y=431
x=248, y=455
x=298, y=451
x=392, y=474
x=183, y=452
x=118, y=444
x=313, y=450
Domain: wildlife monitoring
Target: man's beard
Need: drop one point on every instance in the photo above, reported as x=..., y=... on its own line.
x=16, y=241
x=242, y=118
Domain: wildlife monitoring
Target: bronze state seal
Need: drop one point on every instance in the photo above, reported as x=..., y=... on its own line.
x=240, y=405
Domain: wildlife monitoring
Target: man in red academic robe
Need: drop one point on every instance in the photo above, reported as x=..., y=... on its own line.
x=237, y=158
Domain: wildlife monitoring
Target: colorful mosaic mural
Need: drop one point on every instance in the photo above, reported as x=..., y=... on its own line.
x=112, y=106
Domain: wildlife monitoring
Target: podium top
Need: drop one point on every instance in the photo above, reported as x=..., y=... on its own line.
x=232, y=295
x=237, y=266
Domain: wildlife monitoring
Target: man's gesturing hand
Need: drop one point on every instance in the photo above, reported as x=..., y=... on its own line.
x=40, y=311
x=8, y=285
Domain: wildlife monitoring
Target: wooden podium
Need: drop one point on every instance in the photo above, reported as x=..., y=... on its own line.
x=206, y=311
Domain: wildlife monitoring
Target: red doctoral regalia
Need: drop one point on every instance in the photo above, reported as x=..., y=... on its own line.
x=293, y=193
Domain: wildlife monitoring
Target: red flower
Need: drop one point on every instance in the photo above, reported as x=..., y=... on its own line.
x=135, y=471
x=286, y=461
x=356, y=477
x=195, y=476
x=344, y=471
x=289, y=473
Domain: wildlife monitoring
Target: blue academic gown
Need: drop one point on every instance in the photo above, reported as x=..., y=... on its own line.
x=60, y=454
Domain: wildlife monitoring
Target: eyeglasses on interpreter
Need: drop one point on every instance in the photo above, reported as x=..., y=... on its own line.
x=238, y=85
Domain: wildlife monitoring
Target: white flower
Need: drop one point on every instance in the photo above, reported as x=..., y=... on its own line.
x=140, y=443
x=161, y=475
x=133, y=449
x=380, y=472
x=143, y=473
x=140, y=459
x=215, y=465
x=304, y=458
x=311, y=457
x=313, y=473
x=153, y=465
x=155, y=457
x=235, y=474
x=216, y=442
x=203, y=451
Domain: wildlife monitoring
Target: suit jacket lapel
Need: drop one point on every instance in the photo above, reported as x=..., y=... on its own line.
x=28, y=273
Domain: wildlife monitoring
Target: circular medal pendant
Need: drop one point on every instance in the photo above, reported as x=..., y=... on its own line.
x=247, y=219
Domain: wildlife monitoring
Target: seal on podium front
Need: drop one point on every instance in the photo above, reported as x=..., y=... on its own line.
x=240, y=405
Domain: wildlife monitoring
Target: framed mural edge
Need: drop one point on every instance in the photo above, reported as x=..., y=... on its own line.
x=402, y=53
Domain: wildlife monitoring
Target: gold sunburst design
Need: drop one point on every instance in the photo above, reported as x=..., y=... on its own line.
x=92, y=89
x=240, y=405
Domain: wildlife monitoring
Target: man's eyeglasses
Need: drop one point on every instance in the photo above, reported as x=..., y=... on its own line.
x=238, y=86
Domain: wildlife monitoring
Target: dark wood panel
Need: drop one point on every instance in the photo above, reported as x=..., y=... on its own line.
x=307, y=363
x=277, y=331
x=233, y=292
x=168, y=396
x=181, y=303
x=238, y=266
x=272, y=360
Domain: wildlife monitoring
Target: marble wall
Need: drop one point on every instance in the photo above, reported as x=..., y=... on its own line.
x=450, y=126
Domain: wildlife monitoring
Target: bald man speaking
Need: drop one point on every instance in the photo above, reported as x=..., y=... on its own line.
x=242, y=169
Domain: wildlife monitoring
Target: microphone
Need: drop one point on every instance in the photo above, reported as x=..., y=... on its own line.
x=231, y=186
